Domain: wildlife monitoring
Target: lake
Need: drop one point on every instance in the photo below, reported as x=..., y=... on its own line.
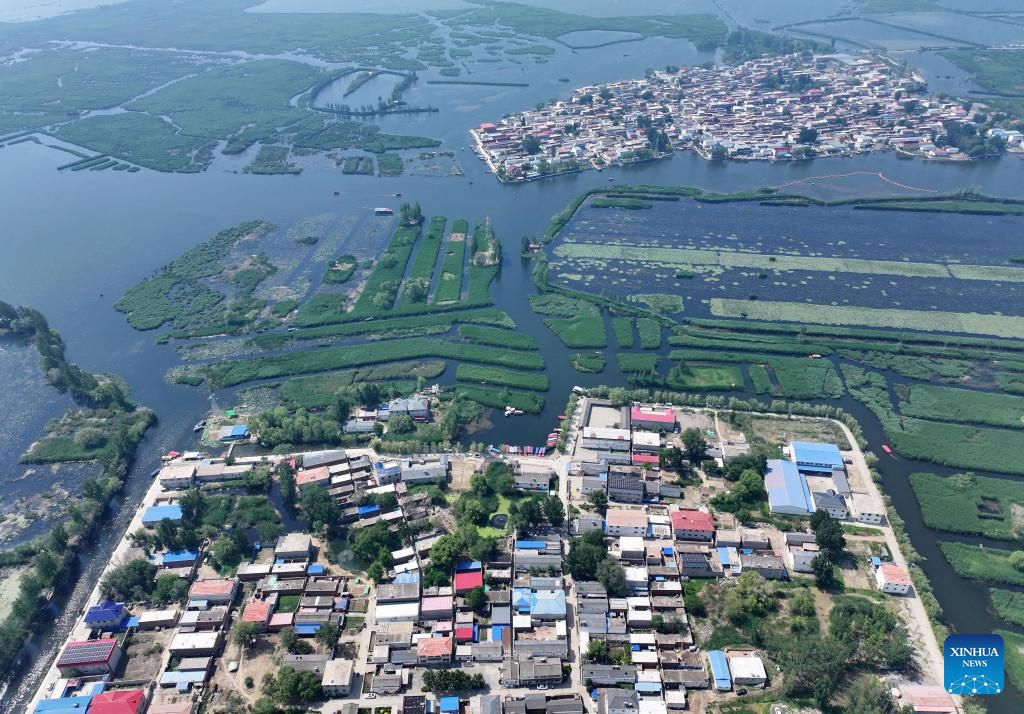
x=75, y=241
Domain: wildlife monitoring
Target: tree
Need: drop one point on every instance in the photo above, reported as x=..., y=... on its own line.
x=530, y=145
x=597, y=652
x=286, y=479
x=599, y=500
x=828, y=534
x=193, y=508
x=245, y=634
x=134, y=580
x=584, y=555
x=170, y=588
x=401, y=424
x=752, y=597
x=476, y=599
x=671, y=458
x=870, y=696
x=611, y=574
x=554, y=511
x=292, y=644
x=292, y=686
x=824, y=571
x=694, y=445
x=321, y=510
x=483, y=548
x=807, y=135
x=1017, y=560
x=447, y=551
x=327, y=635
x=225, y=551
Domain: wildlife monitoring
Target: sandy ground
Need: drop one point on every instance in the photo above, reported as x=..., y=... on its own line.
x=9, y=582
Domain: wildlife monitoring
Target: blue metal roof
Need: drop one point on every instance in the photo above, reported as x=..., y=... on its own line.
x=651, y=687
x=65, y=704
x=315, y=569
x=239, y=430
x=530, y=544
x=307, y=629
x=496, y=631
x=522, y=599
x=106, y=611
x=179, y=556
x=371, y=508
x=720, y=669
x=548, y=602
x=814, y=453
x=787, y=488
x=186, y=677
x=468, y=566
x=154, y=514
x=128, y=623
x=723, y=555
x=449, y=704
x=407, y=578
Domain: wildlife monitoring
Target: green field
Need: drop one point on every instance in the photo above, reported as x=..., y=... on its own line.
x=704, y=376
x=1014, y=653
x=931, y=320
x=497, y=337
x=687, y=257
x=642, y=363
x=382, y=286
x=390, y=165
x=1009, y=605
x=650, y=333
x=587, y=362
x=957, y=445
x=797, y=378
x=986, y=564
x=623, y=329
x=500, y=398
x=963, y=405
x=417, y=285
x=226, y=374
x=970, y=504
x=322, y=390
x=579, y=332
x=501, y=377
x=450, y=287
x=141, y=139
x=760, y=379
x=995, y=71
x=272, y=160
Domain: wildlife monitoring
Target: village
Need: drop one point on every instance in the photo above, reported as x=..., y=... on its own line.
x=591, y=595
x=778, y=109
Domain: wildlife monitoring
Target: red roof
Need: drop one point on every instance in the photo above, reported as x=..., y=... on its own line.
x=434, y=647
x=256, y=611
x=127, y=701
x=209, y=588
x=645, y=459
x=312, y=475
x=464, y=633
x=468, y=581
x=895, y=574
x=661, y=416
x=690, y=520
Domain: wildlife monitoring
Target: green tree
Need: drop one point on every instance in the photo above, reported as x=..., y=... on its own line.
x=245, y=634
x=554, y=511
x=868, y=695
x=599, y=501
x=292, y=644
x=327, y=635
x=597, y=652
x=807, y=135
x=292, y=686
x=134, y=580
x=694, y=444
x=476, y=599
x=321, y=510
x=828, y=534
x=671, y=459
x=824, y=571
x=750, y=598
x=1017, y=560
x=611, y=574
x=401, y=424
x=170, y=588
x=447, y=551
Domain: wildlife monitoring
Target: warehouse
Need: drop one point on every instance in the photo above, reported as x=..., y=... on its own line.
x=787, y=489
x=816, y=457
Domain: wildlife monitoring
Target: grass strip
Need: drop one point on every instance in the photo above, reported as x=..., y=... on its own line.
x=623, y=329
x=500, y=398
x=637, y=362
x=970, y=504
x=322, y=390
x=698, y=377
x=227, y=374
x=650, y=333
x=501, y=377
x=798, y=378
x=1009, y=605
x=587, y=362
x=382, y=286
x=417, y=285
x=929, y=321
x=957, y=445
x=760, y=379
x=579, y=332
x=497, y=337
x=1013, y=663
x=985, y=564
x=450, y=287
x=963, y=405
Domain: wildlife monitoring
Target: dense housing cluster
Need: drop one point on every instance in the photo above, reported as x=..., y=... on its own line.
x=775, y=108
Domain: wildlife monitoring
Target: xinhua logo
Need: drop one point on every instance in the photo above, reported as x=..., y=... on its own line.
x=973, y=664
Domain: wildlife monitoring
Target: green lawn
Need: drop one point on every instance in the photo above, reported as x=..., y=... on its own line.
x=964, y=405
x=587, y=362
x=585, y=331
x=623, y=328
x=1009, y=605
x=501, y=377
x=985, y=564
x=970, y=504
x=705, y=376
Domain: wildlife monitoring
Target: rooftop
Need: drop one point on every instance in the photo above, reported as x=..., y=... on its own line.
x=692, y=520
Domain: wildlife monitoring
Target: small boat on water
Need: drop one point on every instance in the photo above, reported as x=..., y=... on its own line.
x=886, y=448
x=199, y=426
x=154, y=473
x=511, y=411
x=170, y=456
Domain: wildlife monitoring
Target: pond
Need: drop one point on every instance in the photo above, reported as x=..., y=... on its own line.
x=499, y=521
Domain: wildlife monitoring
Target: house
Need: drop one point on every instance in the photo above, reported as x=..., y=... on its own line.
x=689, y=524
x=236, y=432
x=720, y=670
x=754, y=539
x=801, y=558
x=696, y=565
x=436, y=608
x=609, y=675
x=631, y=548
x=646, y=442
x=435, y=650
x=337, y=681
x=867, y=508
x=90, y=657
x=892, y=579
x=623, y=522
x=787, y=489
x=747, y=669
x=105, y=616
x=532, y=479
x=293, y=546
x=195, y=644
x=830, y=502
x=258, y=611
x=387, y=683
x=770, y=567
x=652, y=418
x=416, y=408
x=316, y=459
x=398, y=592
x=176, y=476
x=464, y=582
x=153, y=619
x=215, y=591
x=425, y=470
x=606, y=439
x=625, y=487
x=522, y=671
x=815, y=457
x=617, y=701
x=587, y=522
x=154, y=514
x=318, y=476
x=122, y=701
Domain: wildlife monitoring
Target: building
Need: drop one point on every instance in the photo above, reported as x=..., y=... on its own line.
x=646, y=442
x=216, y=591
x=522, y=671
x=747, y=669
x=437, y=607
x=122, y=701
x=787, y=489
x=815, y=457
x=892, y=579
x=609, y=675
x=177, y=476
x=532, y=478
x=688, y=524
x=631, y=548
x=928, y=699
x=801, y=558
x=166, y=512
x=416, y=408
x=258, y=611
x=293, y=546
x=625, y=487
x=617, y=701
x=105, y=616
x=830, y=502
x=464, y=582
x=588, y=522
x=318, y=476
x=90, y=657
x=236, y=432
x=337, y=681
x=425, y=470
x=720, y=670
x=696, y=565
x=195, y=644
x=623, y=522
x=770, y=567
x=606, y=439
x=435, y=650
x=652, y=418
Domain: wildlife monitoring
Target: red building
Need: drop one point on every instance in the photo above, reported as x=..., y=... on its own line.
x=464, y=582
x=127, y=701
x=90, y=657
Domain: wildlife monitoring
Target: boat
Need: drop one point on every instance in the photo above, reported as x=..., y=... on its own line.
x=562, y=416
x=199, y=425
x=398, y=195
x=170, y=456
x=813, y=356
x=154, y=473
x=512, y=411
x=886, y=448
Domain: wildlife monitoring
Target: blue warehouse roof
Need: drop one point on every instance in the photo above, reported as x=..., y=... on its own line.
x=548, y=602
x=155, y=514
x=720, y=669
x=179, y=556
x=64, y=704
x=449, y=704
x=816, y=456
x=787, y=488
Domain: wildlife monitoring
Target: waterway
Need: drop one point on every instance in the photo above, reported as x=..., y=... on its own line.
x=73, y=242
